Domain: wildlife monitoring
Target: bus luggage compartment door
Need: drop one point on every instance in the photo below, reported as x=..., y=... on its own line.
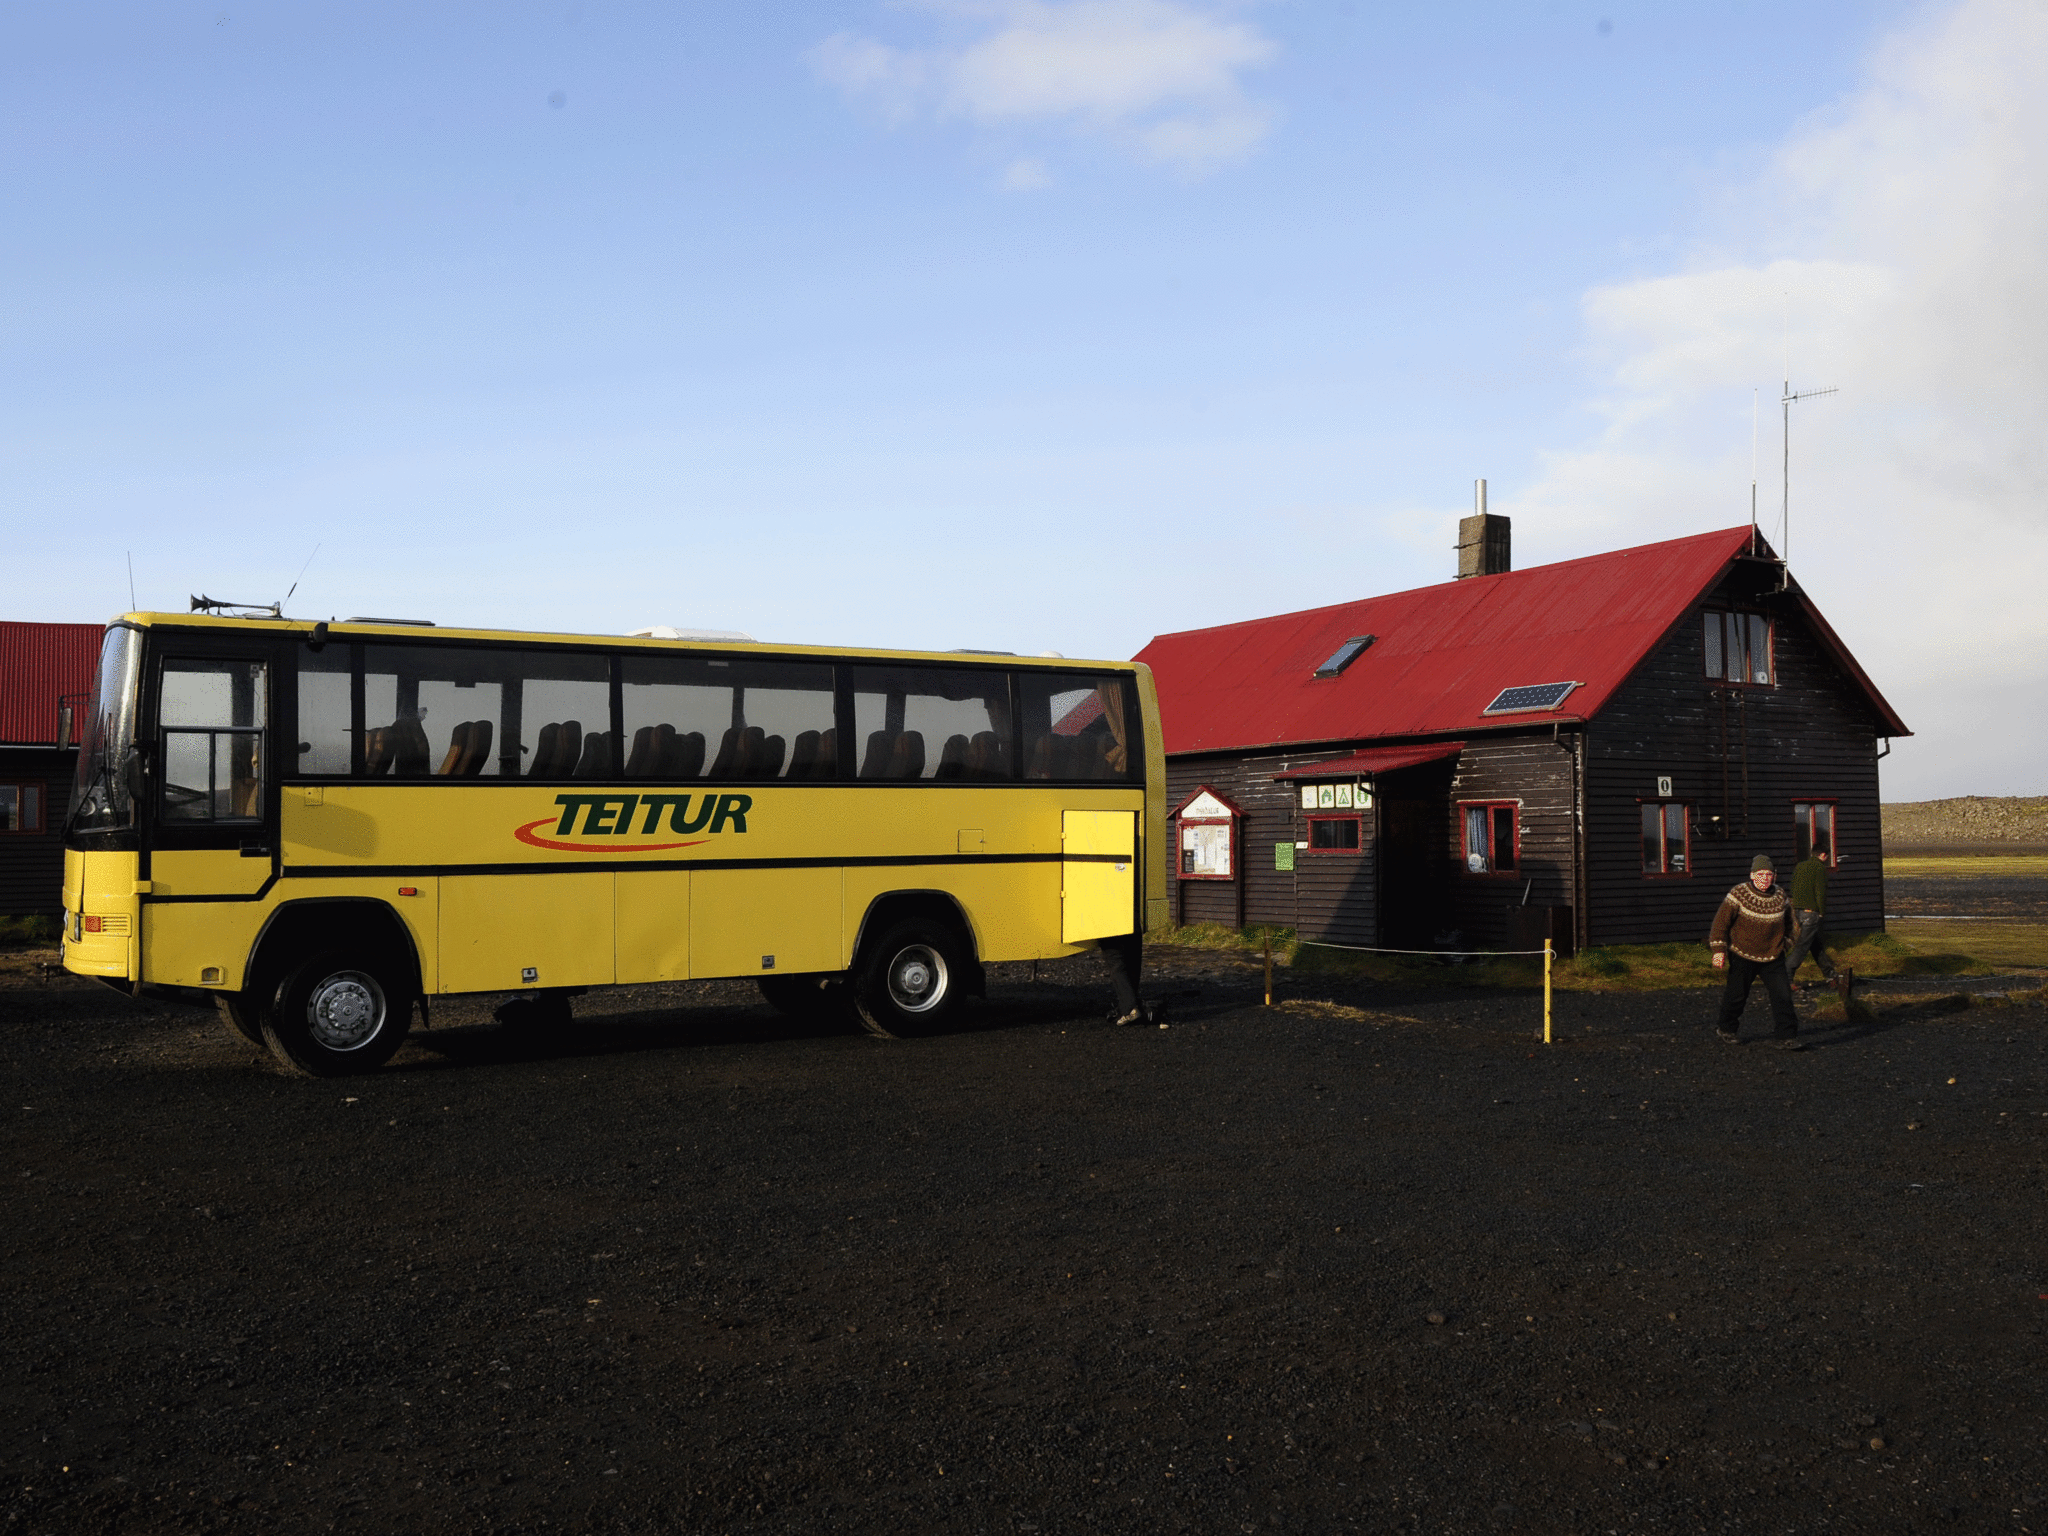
x=496, y=928
x=1098, y=874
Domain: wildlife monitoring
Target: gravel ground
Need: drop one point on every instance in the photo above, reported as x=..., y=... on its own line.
x=1375, y=1259
x=1968, y=895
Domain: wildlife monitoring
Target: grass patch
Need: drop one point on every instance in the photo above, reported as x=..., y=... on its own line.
x=36, y=929
x=1966, y=866
x=1968, y=949
x=1630, y=967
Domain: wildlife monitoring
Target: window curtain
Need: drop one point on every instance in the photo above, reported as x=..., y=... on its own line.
x=1112, y=696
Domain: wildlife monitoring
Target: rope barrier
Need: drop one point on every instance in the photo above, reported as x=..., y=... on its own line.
x=1447, y=954
x=1546, y=952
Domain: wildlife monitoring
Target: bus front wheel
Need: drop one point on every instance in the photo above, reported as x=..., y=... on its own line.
x=911, y=982
x=337, y=1014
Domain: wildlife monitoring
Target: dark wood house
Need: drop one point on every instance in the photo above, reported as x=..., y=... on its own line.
x=1591, y=750
x=45, y=674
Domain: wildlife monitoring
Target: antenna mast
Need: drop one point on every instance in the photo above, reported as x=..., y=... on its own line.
x=1785, y=513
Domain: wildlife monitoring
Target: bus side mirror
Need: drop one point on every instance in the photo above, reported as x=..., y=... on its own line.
x=133, y=774
x=318, y=637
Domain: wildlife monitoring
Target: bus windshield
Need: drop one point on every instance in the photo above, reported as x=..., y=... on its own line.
x=104, y=800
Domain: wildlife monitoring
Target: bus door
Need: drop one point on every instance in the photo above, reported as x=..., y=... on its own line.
x=1098, y=874
x=212, y=770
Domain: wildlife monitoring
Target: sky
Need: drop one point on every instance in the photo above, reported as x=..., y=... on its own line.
x=1030, y=324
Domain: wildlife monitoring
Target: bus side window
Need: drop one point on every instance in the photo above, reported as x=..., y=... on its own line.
x=212, y=714
x=469, y=712
x=691, y=716
x=935, y=723
x=1079, y=727
x=324, y=724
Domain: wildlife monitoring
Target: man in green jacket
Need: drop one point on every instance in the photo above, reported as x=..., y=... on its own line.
x=1809, y=910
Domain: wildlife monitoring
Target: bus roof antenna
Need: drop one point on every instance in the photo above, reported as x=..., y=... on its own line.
x=299, y=578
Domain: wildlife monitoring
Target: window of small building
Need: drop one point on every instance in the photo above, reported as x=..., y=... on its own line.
x=1667, y=837
x=1813, y=828
x=1737, y=647
x=1492, y=837
x=21, y=807
x=1333, y=834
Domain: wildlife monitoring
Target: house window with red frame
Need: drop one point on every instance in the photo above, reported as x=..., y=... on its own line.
x=1667, y=837
x=1334, y=834
x=1813, y=829
x=21, y=807
x=1493, y=836
x=1737, y=648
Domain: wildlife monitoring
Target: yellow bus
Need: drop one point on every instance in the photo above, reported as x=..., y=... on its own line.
x=320, y=826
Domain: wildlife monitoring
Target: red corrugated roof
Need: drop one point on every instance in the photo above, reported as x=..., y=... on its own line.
x=39, y=664
x=1443, y=653
x=1375, y=760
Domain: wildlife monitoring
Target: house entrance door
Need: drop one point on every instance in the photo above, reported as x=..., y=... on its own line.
x=1415, y=831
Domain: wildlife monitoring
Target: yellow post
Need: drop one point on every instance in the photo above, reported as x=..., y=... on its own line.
x=1546, y=991
x=1269, y=968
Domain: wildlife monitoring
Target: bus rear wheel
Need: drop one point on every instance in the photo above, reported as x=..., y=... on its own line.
x=337, y=1014
x=911, y=982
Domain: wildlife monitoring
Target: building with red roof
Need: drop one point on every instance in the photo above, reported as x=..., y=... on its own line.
x=1590, y=751
x=45, y=675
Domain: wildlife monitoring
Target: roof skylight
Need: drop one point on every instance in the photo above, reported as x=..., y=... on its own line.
x=1345, y=654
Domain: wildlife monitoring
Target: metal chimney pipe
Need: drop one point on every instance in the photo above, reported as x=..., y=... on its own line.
x=1479, y=498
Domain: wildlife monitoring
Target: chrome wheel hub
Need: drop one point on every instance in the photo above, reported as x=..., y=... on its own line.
x=917, y=979
x=345, y=1010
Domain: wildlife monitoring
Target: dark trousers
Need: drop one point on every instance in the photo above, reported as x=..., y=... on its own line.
x=1124, y=959
x=1777, y=984
x=1809, y=939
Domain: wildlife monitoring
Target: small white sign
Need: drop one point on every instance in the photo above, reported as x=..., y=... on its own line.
x=1308, y=797
x=1205, y=807
x=1663, y=786
x=1343, y=797
x=1326, y=796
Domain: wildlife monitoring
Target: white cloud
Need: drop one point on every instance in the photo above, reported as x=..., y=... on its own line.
x=1160, y=78
x=1027, y=175
x=1905, y=267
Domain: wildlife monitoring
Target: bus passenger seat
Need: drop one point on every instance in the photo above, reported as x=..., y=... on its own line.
x=747, y=761
x=767, y=762
x=458, y=747
x=985, y=757
x=595, y=763
x=411, y=750
x=645, y=758
x=1041, y=759
x=730, y=749
x=952, y=759
x=568, y=747
x=479, y=750
x=543, y=752
x=803, y=755
x=376, y=752
x=827, y=764
x=907, y=760
x=874, y=763
x=687, y=760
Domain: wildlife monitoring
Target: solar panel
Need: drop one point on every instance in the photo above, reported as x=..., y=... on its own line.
x=1515, y=701
x=1344, y=655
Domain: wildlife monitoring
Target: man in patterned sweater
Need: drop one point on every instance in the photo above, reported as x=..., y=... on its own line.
x=1751, y=929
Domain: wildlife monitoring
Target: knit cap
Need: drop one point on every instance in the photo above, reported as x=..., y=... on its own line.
x=1761, y=863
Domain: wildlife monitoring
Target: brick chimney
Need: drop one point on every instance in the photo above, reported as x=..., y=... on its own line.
x=1482, y=539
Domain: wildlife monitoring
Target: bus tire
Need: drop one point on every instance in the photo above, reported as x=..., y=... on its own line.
x=912, y=979
x=239, y=1012
x=337, y=1014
